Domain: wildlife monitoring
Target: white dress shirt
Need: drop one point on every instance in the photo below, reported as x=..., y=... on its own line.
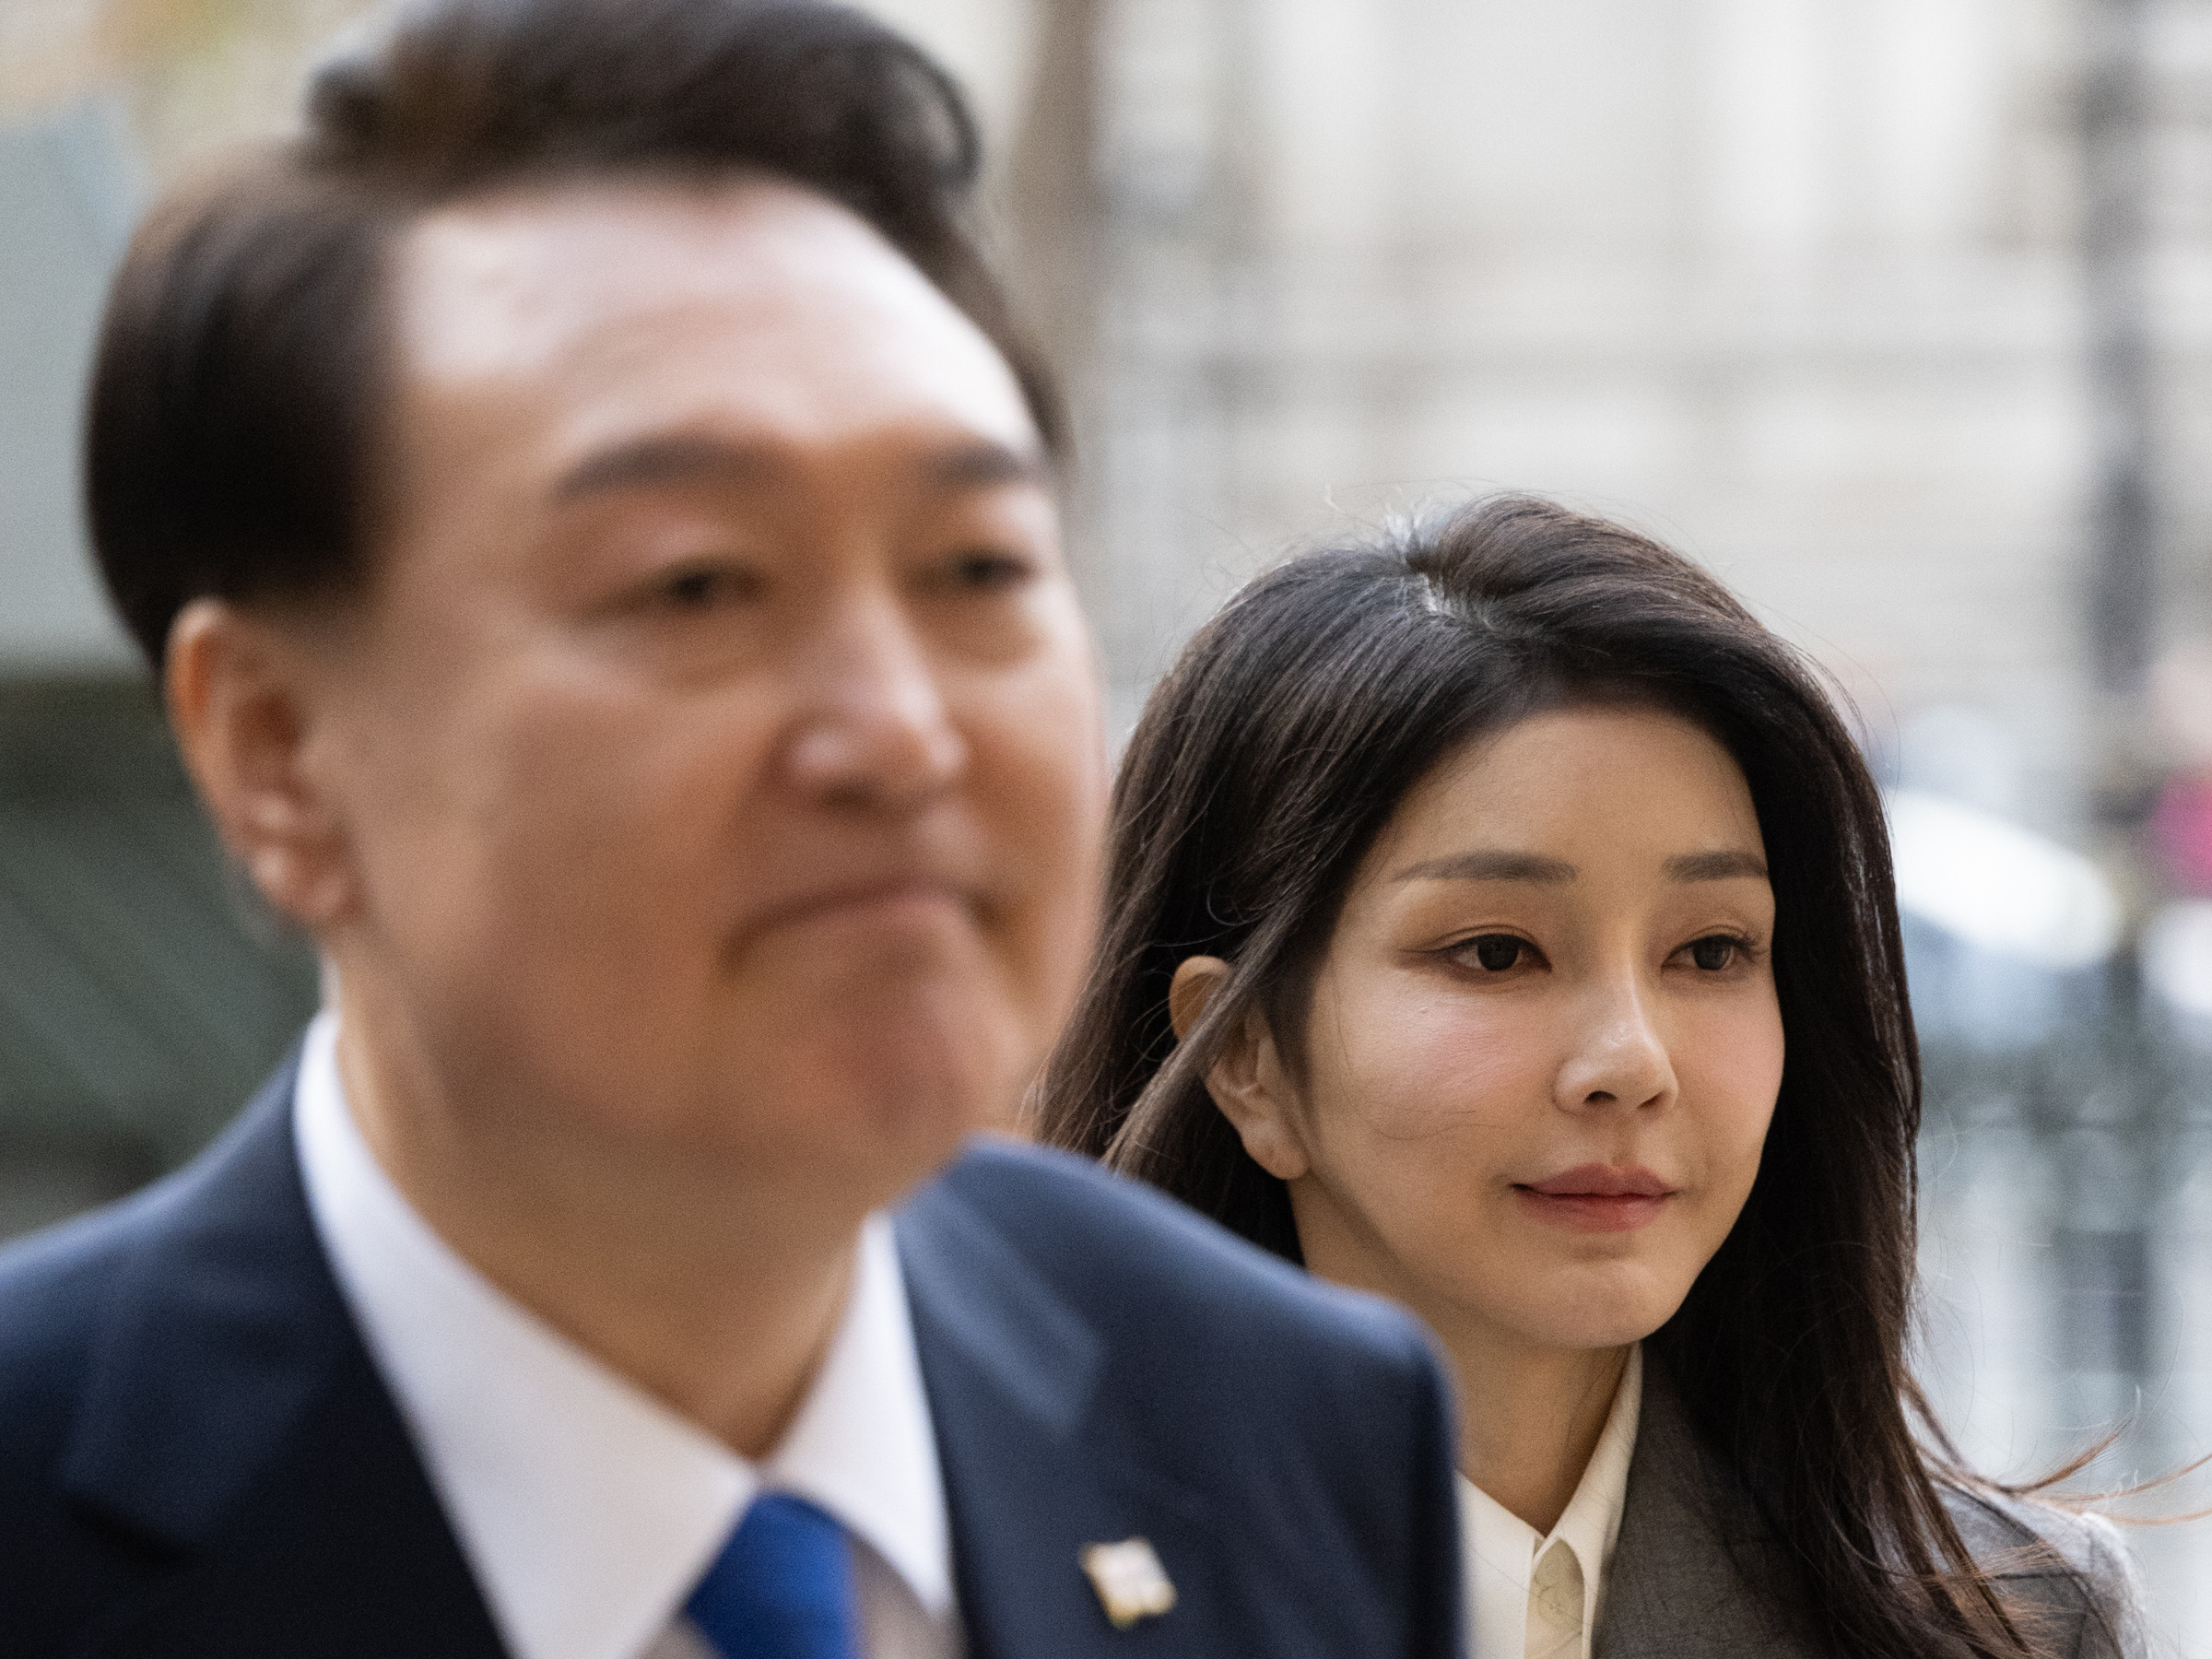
x=587, y=1508
x=1537, y=1596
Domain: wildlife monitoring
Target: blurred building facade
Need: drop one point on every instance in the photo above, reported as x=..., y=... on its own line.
x=1897, y=313
x=140, y=996
x=1798, y=284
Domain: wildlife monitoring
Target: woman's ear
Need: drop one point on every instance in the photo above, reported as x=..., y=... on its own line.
x=1247, y=1079
x=241, y=712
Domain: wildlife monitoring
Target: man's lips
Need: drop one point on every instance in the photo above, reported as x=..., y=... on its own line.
x=1596, y=1197
x=917, y=892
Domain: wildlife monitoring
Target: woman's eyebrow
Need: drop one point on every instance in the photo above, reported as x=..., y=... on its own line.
x=1716, y=867
x=1730, y=865
x=1491, y=866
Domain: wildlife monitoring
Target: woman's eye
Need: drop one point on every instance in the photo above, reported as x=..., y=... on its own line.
x=1494, y=953
x=1715, y=953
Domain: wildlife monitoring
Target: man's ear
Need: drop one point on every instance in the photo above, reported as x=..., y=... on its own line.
x=1247, y=1079
x=240, y=705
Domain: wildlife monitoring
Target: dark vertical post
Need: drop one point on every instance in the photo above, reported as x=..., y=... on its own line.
x=2123, y=527
x=1247, y=387
x=2099, y=1260
x=1054, y=203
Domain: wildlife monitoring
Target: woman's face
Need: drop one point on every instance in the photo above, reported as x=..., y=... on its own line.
x=1543, y=1046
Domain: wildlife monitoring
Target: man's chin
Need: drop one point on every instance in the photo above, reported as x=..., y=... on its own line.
x=929, y=1062
x=879, y=935
x=923, y=1080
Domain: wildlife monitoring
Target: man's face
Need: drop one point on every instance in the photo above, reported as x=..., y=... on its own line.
x=717, y=744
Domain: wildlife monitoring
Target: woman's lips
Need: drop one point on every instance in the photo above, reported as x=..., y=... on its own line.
x=1596, y=1198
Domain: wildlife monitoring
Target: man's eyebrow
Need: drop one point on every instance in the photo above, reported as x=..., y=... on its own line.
x=664, y=459
x=983, y=464
x=1716, y=867
x=1491, y=866
x=676, y=459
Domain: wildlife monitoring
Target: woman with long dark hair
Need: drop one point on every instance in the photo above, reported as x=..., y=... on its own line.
x=1500, y=919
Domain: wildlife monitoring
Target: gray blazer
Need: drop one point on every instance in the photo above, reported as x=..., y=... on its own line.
x=1687, y=1577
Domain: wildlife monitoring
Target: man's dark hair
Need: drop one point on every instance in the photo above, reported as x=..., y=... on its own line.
x=242, y=367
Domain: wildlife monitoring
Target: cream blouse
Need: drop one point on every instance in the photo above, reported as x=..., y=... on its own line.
x=1537, y=1596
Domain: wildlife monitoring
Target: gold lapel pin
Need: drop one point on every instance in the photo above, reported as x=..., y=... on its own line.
x=1131, y=1582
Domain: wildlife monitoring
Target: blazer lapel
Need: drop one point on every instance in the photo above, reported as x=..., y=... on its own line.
x=1012, y=1371
x=1695, y=1571
x=238, y=1445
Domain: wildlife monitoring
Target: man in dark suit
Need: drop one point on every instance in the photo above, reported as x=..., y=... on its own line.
x=595, y=527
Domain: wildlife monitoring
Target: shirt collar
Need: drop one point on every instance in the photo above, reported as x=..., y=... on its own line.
x=586, y=1507
x=862, y=1447
x=1503, y=1549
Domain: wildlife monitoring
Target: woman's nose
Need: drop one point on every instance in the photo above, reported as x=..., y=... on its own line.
x=1620, y=1057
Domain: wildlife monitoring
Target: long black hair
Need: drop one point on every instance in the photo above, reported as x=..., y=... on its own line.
x=1262, y=770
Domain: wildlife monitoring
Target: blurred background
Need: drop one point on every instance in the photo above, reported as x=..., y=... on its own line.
x=1897, y=313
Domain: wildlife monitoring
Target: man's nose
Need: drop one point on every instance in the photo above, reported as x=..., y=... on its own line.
x=1619, y=1056
x=873, y=732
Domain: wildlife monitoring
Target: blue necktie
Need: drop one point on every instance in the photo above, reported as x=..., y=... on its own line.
x=781, y=1588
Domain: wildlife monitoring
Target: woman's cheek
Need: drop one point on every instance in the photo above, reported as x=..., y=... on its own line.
x=1732, y=1104
x=1436, y=1068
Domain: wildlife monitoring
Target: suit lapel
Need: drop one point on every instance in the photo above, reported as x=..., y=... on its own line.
x=1012, y=1372
x=238, y=1446
x=1693, y=1574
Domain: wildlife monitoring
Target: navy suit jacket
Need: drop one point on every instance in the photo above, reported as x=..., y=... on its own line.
x=198, y=1457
